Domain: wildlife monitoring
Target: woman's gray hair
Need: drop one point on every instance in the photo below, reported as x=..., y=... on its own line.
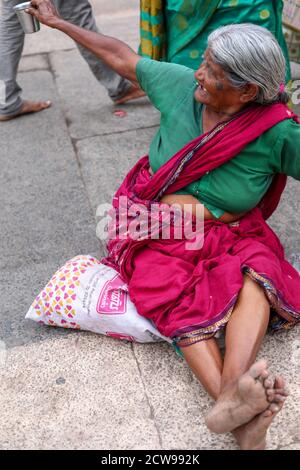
x=250, y=54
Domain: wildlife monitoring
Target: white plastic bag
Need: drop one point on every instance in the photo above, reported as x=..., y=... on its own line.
x=87, y=295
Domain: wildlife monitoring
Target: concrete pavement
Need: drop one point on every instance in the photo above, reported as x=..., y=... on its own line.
x=64, y=389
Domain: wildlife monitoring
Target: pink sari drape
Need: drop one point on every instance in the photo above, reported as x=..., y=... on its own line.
x=190, y=294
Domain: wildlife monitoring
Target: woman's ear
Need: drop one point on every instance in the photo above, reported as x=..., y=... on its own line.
x=249, y=93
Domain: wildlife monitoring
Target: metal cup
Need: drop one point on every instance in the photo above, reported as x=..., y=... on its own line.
x=28, y=22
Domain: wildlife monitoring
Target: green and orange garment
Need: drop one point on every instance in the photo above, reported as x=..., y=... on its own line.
x=177, y=30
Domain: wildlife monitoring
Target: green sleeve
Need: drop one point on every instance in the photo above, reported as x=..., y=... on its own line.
x=165, y=84
x=290, y=150
x=216, y=212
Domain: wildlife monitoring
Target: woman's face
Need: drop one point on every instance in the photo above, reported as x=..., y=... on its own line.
x=214, y=90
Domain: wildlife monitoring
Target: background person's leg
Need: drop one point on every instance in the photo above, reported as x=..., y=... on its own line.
x=80, y=12
x=11, y=47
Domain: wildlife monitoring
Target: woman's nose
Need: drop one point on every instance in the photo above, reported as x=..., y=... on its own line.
x=199, y=73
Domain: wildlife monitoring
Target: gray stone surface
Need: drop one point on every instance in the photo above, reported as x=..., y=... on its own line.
x=30, y=63
x=62, y=394
x=64, y=389
x=40, y=175
x=112, y=19
x=117, y=154
x=295, y=68
x=97, y=111
x=179, y=402
x=285, y=222
x=45, y=215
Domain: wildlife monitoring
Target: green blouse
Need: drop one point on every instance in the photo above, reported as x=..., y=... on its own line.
x=239, y=184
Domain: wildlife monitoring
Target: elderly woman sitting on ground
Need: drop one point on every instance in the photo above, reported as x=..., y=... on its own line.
x=225, y=144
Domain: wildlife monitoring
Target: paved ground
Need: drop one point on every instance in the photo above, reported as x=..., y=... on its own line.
x=61, y=389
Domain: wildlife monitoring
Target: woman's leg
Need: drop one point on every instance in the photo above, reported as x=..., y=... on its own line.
x=240, y=391
x=205, y=360
x=228, y=383
x=245, y=331
x=244, y=335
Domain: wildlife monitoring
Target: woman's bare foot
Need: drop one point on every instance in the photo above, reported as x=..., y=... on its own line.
x=133, y=93
x=240, y=403
x=276, y=391
x=27, y=108
x=252, y=436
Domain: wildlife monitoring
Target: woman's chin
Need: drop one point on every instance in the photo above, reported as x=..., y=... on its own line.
x=201, y=97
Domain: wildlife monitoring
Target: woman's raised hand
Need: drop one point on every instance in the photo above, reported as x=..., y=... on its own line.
x=44, y=11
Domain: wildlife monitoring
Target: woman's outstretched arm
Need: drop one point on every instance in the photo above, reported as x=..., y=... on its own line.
x=116, y=54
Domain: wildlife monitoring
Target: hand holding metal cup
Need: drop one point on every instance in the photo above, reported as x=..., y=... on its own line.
x=45, y=12
x=29, y=23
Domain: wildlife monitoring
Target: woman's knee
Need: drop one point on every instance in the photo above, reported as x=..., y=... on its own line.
x=251, y=289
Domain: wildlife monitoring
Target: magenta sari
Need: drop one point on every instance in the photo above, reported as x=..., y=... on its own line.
x=190, y=294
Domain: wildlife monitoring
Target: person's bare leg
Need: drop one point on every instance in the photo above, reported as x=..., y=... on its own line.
x=243, y=394
x=132, y=93
x=245, y=331
x=28, y=107
x=205, y=360
x=252, y=436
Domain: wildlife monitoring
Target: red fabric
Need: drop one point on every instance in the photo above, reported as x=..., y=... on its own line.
x=183, y=290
